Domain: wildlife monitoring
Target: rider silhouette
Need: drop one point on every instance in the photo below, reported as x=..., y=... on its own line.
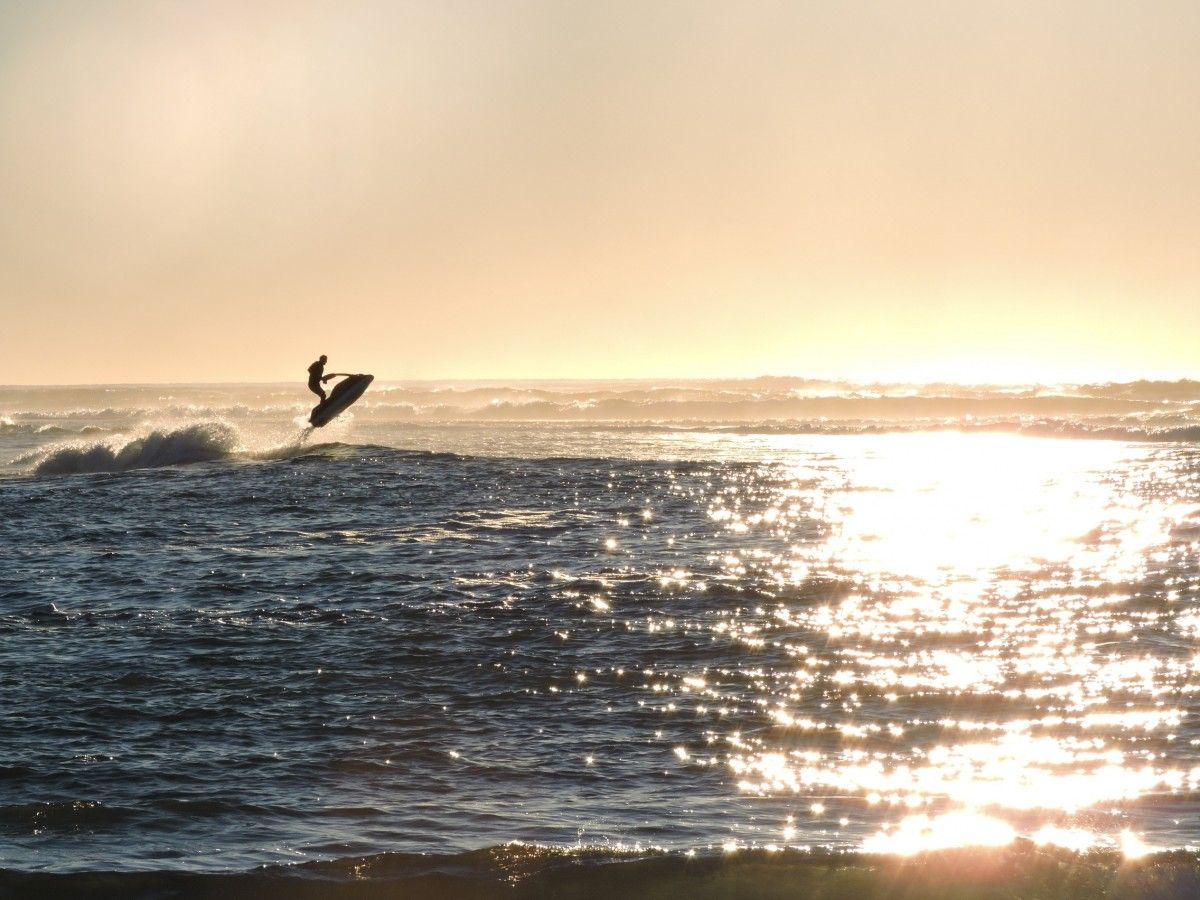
x=315, y=373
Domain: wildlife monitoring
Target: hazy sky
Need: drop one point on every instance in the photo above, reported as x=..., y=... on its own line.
x=222, y=190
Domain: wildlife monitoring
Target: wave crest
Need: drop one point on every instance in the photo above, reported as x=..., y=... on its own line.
x=198, y=442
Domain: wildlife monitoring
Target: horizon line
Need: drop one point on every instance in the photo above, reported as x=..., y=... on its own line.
x=843, y=380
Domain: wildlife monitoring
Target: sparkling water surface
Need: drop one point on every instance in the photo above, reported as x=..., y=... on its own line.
x=240, y=644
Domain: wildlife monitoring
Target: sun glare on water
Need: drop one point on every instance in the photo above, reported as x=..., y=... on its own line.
x=963, y=621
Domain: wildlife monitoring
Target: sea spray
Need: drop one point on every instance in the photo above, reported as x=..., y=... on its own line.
x=197, y=442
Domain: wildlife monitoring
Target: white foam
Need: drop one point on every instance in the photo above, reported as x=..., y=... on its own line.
x=197, y=442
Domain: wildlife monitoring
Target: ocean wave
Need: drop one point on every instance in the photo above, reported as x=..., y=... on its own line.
x=754, y=408
x=47, y=429
x=169, y=408
x=67, y=815
x=524, y=872
x=706, y=401
x=199, y=442
x=161, y=446
x=300, y=450
x=1185, y=434
x=1137, y=411
x=9, y=426
x=83, y=412
x=1136, y=431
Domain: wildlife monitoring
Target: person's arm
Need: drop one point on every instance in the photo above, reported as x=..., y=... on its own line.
x=336, y=375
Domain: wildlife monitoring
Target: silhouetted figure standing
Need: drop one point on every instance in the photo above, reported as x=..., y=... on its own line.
x=315, y=373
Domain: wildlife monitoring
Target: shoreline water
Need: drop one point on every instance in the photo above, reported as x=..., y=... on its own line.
x=522, y=872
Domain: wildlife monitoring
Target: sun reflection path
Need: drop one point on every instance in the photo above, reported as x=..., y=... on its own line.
x=960, y=638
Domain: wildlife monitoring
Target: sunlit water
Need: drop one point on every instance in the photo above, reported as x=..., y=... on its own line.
x=445, y=636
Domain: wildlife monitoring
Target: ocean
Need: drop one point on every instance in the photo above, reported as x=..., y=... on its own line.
x=505, y=637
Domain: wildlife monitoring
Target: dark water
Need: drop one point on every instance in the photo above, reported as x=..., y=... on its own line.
x=611, y=640
x=348, y=651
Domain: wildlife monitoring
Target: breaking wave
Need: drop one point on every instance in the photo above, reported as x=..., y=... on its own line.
x=202, y=442
x=193, y=442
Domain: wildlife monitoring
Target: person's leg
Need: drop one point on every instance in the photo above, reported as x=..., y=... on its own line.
x=318, y=390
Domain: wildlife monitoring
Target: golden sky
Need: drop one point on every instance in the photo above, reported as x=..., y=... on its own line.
x=220, y=191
